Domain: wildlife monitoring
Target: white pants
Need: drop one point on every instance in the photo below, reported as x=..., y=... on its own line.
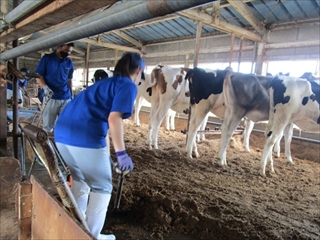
x=89, y=165
x=51, y=111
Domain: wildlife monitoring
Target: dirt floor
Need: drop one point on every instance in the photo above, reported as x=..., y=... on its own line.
x=169, y=196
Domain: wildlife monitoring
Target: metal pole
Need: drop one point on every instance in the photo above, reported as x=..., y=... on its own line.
x=122, y=14
x=15, y=88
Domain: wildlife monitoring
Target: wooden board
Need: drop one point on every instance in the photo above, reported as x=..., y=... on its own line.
x=50, y=220
x=10, y=176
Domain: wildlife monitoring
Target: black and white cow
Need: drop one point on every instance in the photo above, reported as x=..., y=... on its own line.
x=292, y=100
x=230, y=96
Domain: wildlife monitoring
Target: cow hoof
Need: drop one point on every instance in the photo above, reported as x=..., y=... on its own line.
x=262, y=173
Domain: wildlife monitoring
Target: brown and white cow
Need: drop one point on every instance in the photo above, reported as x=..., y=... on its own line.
x=292, y=100
x=144, y=94
x=168, y=92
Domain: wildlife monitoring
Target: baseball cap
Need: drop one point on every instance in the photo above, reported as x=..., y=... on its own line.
x=136, y=60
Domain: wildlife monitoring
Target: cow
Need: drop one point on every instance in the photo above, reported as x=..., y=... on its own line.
x=144, y=93
x=292, y=100
x=101, y=74
x=230, y=96
x=170, y=90
x=308, y=76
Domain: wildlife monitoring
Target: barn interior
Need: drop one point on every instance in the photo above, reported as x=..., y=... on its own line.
x=207, y=202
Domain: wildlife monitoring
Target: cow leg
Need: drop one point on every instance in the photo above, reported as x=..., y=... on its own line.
x=267, y=155
x=276, y=148
x=137, y=108
x=155, y=104
x=159, y=116
x=228, y=126
x=202, y=136
x=196, y=118
x=273, y=134
x=172, y=120
x=288, y=133
x=246, y=133
x=168, y=121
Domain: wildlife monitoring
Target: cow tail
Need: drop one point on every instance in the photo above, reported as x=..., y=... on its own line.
x=227, y=89
x=271, y=110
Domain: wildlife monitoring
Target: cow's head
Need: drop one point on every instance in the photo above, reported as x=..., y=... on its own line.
x=308, y=76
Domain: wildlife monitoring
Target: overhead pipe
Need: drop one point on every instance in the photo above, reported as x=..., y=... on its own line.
x=122, y=14
x=21, y=10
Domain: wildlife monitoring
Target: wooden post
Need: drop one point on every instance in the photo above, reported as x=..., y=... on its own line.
x=115, y=58
x=87, y=63
x=259, y=62
x=254, y=56
x=195, y=64
x=240, y=53
x=197, y=47
x=231, y=48
x=3, y=113
x=186, y=62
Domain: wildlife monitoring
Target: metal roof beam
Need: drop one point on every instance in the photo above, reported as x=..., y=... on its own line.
x=222, y=25
x=109, y=45
x=50, y=15
x=130, y=39
x=191, y=51
x=292, y=44
x=248, y=15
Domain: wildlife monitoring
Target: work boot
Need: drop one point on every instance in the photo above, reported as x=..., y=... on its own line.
x=80, y=191
x=96, y=214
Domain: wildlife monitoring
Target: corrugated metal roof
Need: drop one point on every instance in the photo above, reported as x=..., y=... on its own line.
x=267, y=12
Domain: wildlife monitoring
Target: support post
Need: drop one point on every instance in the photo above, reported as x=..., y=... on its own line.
x=186, y=62
x=197, y=47
x=231, y=48
x=254, y=56
x=115, y=57
x=15, y=88
x=3, y=113
x=259, y=62
x=240, y=53
x=87, y=63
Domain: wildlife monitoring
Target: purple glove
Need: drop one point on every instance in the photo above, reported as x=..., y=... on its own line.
x=124, y=161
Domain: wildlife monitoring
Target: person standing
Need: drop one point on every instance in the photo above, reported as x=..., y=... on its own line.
x=80, y=136
x=56, y=71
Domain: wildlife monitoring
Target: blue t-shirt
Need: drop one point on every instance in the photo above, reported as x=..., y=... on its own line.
x=84, y=121
x=21, y=84
x=56, y=73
